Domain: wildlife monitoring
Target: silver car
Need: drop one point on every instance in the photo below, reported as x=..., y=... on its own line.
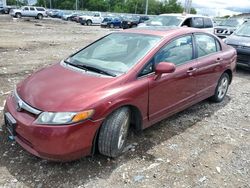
x=29, y=11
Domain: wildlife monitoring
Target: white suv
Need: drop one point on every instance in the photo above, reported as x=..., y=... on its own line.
x=29, y=11
x=189, y=20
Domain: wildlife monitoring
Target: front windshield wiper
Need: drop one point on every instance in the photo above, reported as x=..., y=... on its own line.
x=91, y=68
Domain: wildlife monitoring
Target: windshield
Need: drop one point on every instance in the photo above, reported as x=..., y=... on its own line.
x=244, y=30
x=115, y=53
x=230, y=23
x=165, y=21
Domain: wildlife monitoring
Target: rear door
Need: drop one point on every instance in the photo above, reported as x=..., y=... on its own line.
x=32, y=12
x=209, y=63
x=173, y=91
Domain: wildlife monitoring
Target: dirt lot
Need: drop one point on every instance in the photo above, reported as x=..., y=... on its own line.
x=207, y=145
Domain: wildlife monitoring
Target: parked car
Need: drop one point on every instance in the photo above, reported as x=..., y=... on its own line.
x=1, y=10
x=66, y=16
x=133, y=21
x=70, y=16
x=240, y=40
x=92, y=18
x=55, y=13
x=180, y=20
x=133, y=78
x=6, y=9
x=29, y=11
x=77, y=17
x=227, y=27
x=112, y=22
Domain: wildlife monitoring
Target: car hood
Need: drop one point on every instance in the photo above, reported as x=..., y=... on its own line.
x=58, y=88
x=238, y=40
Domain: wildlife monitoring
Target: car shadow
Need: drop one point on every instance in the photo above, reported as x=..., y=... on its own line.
x=35, y=172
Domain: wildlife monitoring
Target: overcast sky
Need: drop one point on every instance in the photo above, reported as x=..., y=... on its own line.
x=220, y=7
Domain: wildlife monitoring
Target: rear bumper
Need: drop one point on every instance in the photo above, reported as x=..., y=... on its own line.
x=59, y=143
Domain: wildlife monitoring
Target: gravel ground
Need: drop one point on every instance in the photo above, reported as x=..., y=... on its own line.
x=207, y=145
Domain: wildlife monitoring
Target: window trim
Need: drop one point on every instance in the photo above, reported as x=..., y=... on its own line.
x=167, y=43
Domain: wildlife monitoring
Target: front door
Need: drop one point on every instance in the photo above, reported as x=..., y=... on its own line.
x=173, y=91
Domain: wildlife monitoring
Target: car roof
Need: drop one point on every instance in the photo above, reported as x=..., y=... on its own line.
x=163, y=31
x=184, y=15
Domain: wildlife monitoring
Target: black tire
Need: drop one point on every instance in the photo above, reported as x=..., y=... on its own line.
x=39, y=16
x=113, y=133
x=221, y=88
x=18, y=15
x=89, y=22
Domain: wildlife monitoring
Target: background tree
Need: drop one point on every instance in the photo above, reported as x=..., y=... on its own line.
x=123, y=6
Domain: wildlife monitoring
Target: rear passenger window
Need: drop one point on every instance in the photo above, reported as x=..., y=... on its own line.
x=205, y=44
x=208, y=23
x=32, y=9
x=178, y=51
x=197, y=22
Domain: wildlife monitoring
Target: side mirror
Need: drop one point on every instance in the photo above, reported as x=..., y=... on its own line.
x=164, y=67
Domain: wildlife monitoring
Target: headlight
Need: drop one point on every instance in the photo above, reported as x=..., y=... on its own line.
x=63, y=117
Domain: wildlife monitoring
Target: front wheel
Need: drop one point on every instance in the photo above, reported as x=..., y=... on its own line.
x=18, y=15
x=89, y=22
x=221, y=89
x=40, y=16
x=111, y=26
x=113, y=133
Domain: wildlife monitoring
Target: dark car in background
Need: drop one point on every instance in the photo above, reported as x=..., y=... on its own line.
x=77, y=17
x=227, y=27
x=112, y=22
x=133, y=21
x=55, y=13
x=1, y=10
x=240, y=40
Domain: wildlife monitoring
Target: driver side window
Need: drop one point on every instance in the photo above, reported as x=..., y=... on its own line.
x=178, y=51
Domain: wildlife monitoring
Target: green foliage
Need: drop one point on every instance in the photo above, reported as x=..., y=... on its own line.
x=17, y=2
x=126, y=6
x=193, y=11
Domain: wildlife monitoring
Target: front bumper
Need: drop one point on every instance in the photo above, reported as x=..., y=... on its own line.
x=59, y=143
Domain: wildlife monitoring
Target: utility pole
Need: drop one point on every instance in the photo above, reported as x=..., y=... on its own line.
x=50, y=4
x=188, y=4
x=146, y=9
x=76, y=4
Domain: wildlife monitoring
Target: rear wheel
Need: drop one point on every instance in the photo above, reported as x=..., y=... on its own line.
x=18, y=15
x=221, y=89
x=113, y=133
x=89, y=22
x=40, y=16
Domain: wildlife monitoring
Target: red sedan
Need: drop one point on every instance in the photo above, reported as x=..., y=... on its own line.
x=133, y=78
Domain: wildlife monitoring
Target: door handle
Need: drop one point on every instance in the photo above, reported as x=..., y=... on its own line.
x=218, y=60
x=191, y=70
